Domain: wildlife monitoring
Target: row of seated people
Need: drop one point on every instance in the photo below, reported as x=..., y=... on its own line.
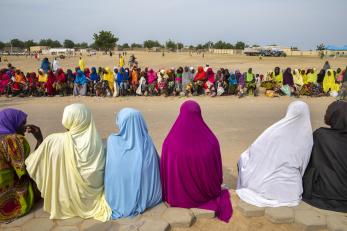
x=76, y=176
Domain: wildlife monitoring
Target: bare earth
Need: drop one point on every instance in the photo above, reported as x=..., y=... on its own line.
x=236, y=122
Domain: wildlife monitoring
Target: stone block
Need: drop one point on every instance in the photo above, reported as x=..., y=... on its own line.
x=203, y=213
x=250, y=210
x=280, y=215
x=179, y=217
x=337, y=223
x=38, y=224
x=310, y=220
x=91, y=225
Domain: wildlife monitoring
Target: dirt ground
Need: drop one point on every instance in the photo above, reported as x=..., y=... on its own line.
x=236, y=122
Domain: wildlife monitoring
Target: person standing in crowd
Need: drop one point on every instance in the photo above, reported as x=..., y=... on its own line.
x=45, y=65
x=81, y=63
x=56, y=64
x=326, y=66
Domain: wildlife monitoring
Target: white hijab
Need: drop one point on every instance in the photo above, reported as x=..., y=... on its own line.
x=68, y=168
x=271, y=169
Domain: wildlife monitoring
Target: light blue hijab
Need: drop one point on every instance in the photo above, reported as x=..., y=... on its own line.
x=132, y=177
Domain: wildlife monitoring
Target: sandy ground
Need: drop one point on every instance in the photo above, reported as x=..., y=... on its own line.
x=156, y=61
x=236, y=122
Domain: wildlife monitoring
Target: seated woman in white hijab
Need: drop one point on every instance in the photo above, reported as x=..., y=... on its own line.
x=132, y=176
x=271, y=169
x=68, y=169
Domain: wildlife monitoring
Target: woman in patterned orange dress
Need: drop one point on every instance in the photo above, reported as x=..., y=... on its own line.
x=17, y=190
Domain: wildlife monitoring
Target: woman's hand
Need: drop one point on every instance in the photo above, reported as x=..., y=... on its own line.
x=36, y=132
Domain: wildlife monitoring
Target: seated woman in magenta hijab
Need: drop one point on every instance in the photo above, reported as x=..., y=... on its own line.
x=191, y=165
x=132, y=177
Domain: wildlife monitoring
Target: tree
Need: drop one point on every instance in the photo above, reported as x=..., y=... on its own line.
x=151, y=43
x=171, y=45
x=29, y=43
x=105, y=40
x=125, y=46
x=2, y=45
x=240, y=45
x=207, y=45
x=17, y=43
x=136, y=45
x=69, y=43
x=50, y=43
x=223, y=45
x=82, y=45
x=321, y=47
x=180, y=46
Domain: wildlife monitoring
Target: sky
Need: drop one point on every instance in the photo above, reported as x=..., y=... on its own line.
x=299, y=23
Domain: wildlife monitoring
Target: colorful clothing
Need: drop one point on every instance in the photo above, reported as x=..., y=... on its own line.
x=131, y=158
x=68, y=168
x=192, y=175
x=329, y=83
x=16, y=188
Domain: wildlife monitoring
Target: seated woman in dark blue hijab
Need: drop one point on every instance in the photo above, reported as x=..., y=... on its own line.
x=325, y=179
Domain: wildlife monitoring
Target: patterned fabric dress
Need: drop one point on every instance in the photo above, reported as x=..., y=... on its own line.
x=16, y=189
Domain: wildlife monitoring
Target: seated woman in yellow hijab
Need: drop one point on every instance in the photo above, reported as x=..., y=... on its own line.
x=68, y=168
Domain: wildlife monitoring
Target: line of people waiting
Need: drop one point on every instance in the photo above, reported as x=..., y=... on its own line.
x=183, y=81
x=76, y=176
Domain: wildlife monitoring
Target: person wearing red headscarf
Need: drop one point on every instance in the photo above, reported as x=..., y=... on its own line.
x=4, y=81
x=50, y=82
x=199, y=81
x=60, y=82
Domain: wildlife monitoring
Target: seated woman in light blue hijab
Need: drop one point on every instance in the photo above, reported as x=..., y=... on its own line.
x=132, y=177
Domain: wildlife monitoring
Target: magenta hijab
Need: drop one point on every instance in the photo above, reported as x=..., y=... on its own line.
x=11, y=120
x=191, y=165
x=151, y=76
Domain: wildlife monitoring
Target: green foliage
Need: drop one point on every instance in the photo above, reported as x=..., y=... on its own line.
x=125, y=46
x=151, y=43
x=240, y=45
x=82, y=45
x=29, y=43
x=69, y=43
x=223, y=45
x=105, y=40
x=50, y=43
x=136, y=45
x=171, y=45
x=17, y=43
x=320, y=47
x=2, y=45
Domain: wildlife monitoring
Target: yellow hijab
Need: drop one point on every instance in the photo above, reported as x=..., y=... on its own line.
x=297, y=78
x=329, y=82
x=109, y=76
x=68, y=168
